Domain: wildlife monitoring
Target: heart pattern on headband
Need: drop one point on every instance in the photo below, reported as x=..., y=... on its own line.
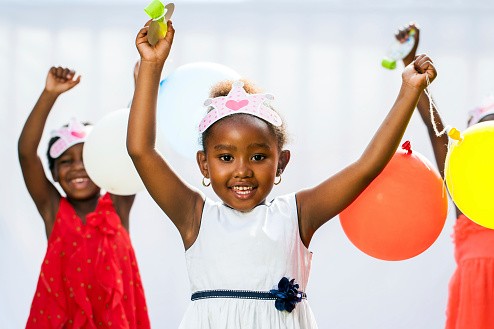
x=78, y=134
x=236, y=105
x=239, y=101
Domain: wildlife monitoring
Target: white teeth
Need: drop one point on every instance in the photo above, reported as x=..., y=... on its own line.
x=80, y=180
x=242, y=188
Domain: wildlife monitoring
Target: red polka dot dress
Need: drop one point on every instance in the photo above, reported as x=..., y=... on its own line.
x=89, y=277
x=471, y=288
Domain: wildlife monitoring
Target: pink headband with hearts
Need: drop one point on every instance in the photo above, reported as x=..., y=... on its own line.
x=479, y=113
x=239, y=101
x=69, y=136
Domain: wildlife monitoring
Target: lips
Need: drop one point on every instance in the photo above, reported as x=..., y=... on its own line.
x=243, y=191
x=80, y=182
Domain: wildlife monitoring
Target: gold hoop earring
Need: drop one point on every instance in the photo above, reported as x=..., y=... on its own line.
x=204, y=183
x=279, y=181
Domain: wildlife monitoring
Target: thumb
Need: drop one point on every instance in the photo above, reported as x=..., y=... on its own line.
x=75, y=82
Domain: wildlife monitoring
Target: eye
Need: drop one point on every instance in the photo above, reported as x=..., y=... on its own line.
x=258, y=157
x=226, y=158
x=64, y=161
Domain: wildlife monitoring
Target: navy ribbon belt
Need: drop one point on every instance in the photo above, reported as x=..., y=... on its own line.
x=286, y=296
x=242, y=294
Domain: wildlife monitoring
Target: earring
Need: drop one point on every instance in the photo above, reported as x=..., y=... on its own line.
x=278, y=174
x=206, y=183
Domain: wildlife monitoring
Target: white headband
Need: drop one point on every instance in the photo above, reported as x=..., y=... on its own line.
x=239, y=101
x=74, y=133
x=481, y=112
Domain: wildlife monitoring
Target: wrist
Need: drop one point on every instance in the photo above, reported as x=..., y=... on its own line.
x=51, y=93
x=150, y=69
x=150, y=64
x=411, y=89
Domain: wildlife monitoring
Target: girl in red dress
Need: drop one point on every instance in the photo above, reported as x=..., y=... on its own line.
x=89, y=277
x=471, y=287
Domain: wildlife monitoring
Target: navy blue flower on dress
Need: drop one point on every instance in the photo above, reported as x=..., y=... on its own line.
x=287, y=295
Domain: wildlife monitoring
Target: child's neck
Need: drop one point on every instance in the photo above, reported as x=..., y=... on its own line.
x=84, y=207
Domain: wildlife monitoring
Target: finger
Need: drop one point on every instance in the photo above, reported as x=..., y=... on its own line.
x=422, y=59
x=402, y=33
x=59, y=72
x=417, y=64
x=142, y=33
x=148, y=22
x=67, y=74
x=76, y=80
x=170, y=34
x=427, y=65
x=424, y=64
x=414, y=25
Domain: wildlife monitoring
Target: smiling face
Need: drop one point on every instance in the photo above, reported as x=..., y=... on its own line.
x=242, y=159
x=70, y=173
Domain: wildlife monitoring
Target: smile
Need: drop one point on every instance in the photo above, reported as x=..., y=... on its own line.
x=80, y=182
x=242, y=190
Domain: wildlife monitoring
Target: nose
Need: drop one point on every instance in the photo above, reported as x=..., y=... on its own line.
x=243, y=169
x=78, y=164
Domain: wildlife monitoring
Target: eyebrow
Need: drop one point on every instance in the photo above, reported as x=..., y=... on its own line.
x=226, y=147
x=259, y=145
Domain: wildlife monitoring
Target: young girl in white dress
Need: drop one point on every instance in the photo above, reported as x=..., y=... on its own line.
x=247, y=258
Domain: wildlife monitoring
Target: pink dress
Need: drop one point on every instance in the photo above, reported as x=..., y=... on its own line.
x=89, y=277
x=471, y=289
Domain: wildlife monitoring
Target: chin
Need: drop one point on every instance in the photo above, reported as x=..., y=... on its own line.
x=86, y=195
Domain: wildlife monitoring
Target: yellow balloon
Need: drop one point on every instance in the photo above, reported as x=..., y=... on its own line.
x=469, y=172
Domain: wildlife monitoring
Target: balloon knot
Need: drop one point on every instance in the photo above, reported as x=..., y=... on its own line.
x=455, y=134
x=407, y=146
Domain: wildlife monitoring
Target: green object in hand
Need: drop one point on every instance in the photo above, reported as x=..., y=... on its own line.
x=155, y=9
x=388, y=63
x=160, y=14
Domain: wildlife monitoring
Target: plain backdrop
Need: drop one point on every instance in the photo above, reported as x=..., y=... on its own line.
x=321, y=60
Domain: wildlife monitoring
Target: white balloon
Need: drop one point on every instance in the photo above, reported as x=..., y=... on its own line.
x=181, y=103
x=105, y=155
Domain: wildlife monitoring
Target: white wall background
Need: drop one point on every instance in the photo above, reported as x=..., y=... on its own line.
x=321, y=61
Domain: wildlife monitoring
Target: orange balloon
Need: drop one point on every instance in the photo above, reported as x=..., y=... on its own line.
x=401, y=213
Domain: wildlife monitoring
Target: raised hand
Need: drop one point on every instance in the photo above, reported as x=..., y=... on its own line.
x=60, y=79
x=420, y=72
x=402, y=34
x=159, y=52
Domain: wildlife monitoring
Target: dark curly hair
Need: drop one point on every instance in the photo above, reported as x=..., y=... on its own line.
x=222, y=89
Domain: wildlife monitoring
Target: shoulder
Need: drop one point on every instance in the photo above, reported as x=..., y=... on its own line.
x=287, y=202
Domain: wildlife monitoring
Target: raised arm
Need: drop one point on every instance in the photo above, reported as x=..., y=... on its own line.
x=321, y=203
x=182, y=204
x=439, y=144
x=44, y=194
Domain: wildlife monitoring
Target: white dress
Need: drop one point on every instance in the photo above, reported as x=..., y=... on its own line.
x=247, y=251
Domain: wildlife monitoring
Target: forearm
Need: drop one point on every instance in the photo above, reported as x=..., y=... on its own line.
x=439, y=143
x=35, y=123
x=141, y=133
x=387, y=138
